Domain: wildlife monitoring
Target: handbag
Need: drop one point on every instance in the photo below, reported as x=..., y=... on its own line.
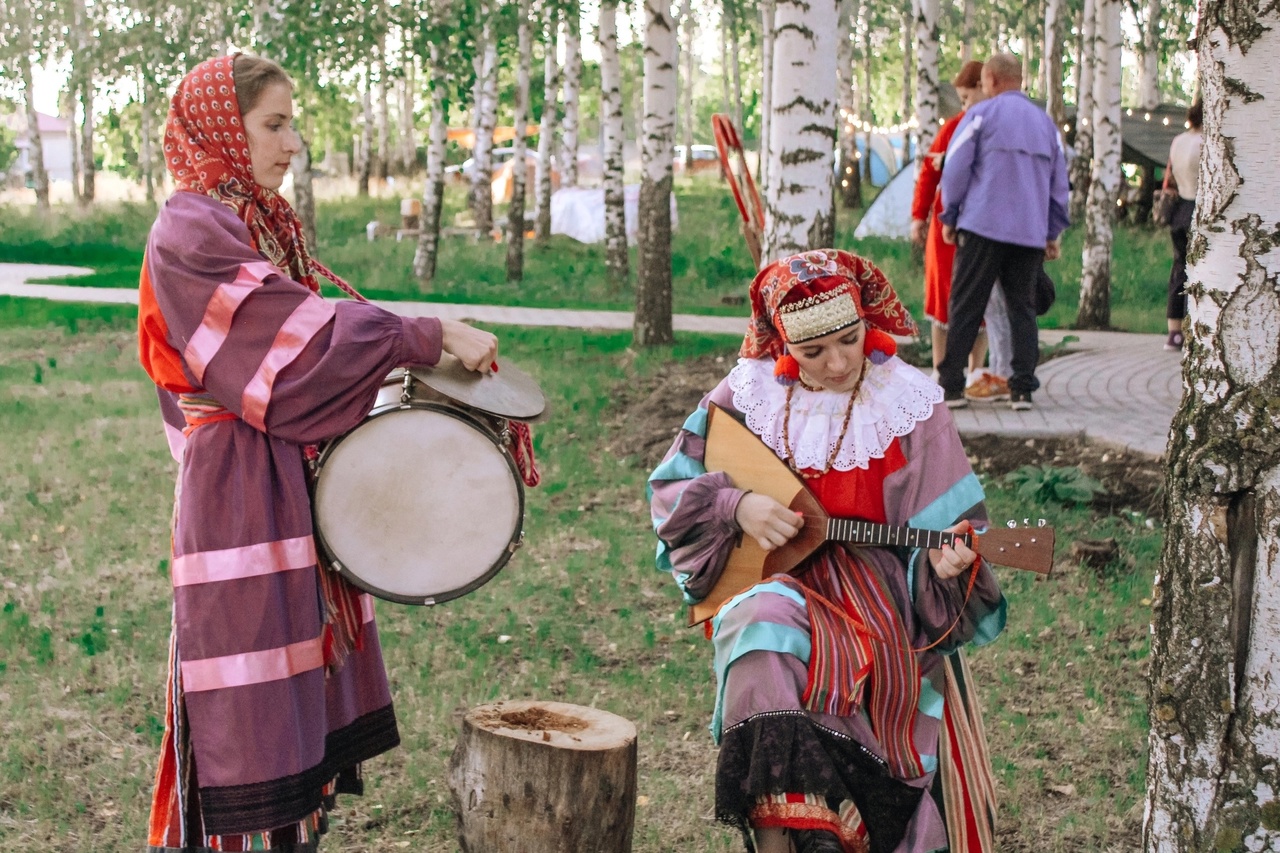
x=1166, y=199
x=1163, y=205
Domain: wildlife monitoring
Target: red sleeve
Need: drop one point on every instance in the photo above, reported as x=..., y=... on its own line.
x=930, y=175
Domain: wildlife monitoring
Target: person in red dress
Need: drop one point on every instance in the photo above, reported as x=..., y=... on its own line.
x=939, y=256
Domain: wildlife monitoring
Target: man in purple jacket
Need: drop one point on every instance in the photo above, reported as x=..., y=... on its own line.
x=1004, y=198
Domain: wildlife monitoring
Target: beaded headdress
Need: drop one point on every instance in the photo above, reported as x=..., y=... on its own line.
x=811, y=294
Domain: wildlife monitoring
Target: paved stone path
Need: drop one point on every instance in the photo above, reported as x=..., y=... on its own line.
x=1112, y=387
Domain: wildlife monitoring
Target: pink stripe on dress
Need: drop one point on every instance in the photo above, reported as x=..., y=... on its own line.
x=252, y=667
x=311, y=315
x=246, y=561
x=366, y=607
x=208, y=339
x=177, y=441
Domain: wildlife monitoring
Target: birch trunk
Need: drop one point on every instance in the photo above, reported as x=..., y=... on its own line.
x=382, y=117
x=615, y=223
x=73, y=141
x=688, y=25
x=926, y=28
x=731, y=11
x=1095, y=277
x=908, y=39
x=1052, y=65
x=1149, y=58
x=1215, y=642
x=428, y=250
x=88, y=166
x=799, y=209
x=519, y=171
x=572, y=88
x=304, y=194
x=966, y=31
x=850, y=174
x=408, y=138
x=766, y=90
x=486, y=112
x=547, y=128
x=865, y=32
x=1081, y=165
x=365, y=167
x=36, y=150
x=653, y=279
x=146, y=147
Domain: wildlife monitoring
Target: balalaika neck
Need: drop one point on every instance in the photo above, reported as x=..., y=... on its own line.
x=868, y=533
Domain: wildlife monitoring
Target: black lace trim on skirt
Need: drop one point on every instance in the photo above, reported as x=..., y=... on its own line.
x=791, y=753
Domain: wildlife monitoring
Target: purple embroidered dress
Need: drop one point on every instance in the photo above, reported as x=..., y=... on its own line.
x=821, y=724
x=254, y=366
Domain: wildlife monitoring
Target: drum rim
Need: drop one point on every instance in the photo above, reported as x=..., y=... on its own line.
x=513, y=544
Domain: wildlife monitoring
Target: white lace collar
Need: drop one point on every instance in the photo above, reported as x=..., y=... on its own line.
x=893, y=399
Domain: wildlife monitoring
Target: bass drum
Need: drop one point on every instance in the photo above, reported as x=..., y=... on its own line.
x=421, y=503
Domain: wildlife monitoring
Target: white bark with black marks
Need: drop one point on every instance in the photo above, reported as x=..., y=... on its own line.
x=36, y=150
x=1149, y=57
x=657, y=144
x=1104, y=190
x=1081, y=165
x=426, y=256
x=486, y=119
x=547, y=128
x=617, y=262
x=519, y=169
x=572, y=88
x=1052, y=65
x=800, y=203
x=1212, y=781
x=926, y=31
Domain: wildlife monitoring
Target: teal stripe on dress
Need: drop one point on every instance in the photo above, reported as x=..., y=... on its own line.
x=753, y=637
x=991, y=624
x=678, y=467
x=950, y=505
x=697, y=422
x=931, y=700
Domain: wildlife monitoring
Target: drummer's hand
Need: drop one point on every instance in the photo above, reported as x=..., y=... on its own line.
x=475, y=348
x=949, y=561
x=765, y=520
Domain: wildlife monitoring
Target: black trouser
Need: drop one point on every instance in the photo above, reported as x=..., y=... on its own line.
x=1179, y=226
x=979, y=263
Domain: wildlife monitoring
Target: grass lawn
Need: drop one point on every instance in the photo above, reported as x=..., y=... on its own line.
x=710, y=264
x=579, y=615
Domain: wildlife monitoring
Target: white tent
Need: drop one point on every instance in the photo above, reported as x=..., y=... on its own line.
x=578, y=212
x=890, y=214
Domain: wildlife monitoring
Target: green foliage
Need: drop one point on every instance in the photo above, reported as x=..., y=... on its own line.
x=1046, y=484
x=8, y=147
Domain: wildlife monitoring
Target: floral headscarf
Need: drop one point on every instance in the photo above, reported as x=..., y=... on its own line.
x=816, y=293
x=206, y=149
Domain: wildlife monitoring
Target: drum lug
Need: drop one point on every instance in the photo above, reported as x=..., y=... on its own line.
x=516, y=543
x=406, y=392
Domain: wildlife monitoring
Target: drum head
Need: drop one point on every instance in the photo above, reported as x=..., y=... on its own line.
x=418, y=505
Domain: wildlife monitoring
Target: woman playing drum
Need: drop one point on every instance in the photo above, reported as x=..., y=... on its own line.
x=843, y=712
x=276, y=687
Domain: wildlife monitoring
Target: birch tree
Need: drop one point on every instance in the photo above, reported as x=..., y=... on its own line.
x=547, y=127
x=735, y=64
x=908, y=39
x=364, y=157
x=486, y=119
x=1081, y=165
x=1052, y=65
x=966, y=31
x=1215, y=645
x=82, y=86
x=617, y=262
x=799, y=205
x=1095, y=280
x=519, y=171
x=1149, y=57
x=767, y=8
x=850, y=174
x=382, y=112
x=689, y=29
x=926, y=33
x=570, y=125
x=17, y=36
x=408, y=137
x=427, y=252
x=653, y=279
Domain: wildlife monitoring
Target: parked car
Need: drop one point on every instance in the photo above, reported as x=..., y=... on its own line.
x=501, y=156
x=705, y=158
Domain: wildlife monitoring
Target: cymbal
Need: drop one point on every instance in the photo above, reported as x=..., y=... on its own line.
x=508, y=392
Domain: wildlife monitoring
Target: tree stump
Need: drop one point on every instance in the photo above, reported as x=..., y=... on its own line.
x=544, y=777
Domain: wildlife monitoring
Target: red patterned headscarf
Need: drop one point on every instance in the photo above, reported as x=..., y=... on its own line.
x=815, y=293
x=206, y=149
